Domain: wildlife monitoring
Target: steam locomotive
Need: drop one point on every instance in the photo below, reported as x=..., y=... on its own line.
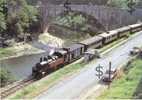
x=75, y=51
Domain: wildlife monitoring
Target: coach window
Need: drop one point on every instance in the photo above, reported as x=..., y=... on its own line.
x=81, y=50
x=75, y=53
x=72, y=55
x=108, y=38
x=99, y=41
x=78, y=51
x=95, y=42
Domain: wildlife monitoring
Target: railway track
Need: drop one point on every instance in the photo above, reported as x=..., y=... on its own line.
x=12, y=89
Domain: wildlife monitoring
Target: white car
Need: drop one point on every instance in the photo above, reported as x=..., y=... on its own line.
x=135, y=51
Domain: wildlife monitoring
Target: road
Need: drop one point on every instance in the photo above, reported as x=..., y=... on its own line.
x=75, y=85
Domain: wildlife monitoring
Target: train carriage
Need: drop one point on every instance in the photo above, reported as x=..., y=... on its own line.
x=75, y=51
x=94, y=42
x=124, y=31
x=136, y=27
x=109, y=37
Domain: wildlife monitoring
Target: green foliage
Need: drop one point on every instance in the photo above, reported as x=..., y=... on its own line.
x=20, y=16
x=4, y=52
x=118, y=3
x=139, y=3
x=2, y=16
x=79, y=22
x=5, y=77
x=32, y=2
x=128, y=85
x=125, y=3
x=75, y=21
x=2, y=23
x=71, y=20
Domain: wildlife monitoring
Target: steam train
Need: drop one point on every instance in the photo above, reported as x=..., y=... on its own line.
x=75, y=51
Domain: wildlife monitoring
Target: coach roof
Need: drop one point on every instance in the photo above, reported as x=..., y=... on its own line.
x=109, y=33
x=136, y=25
x=91, y=40
x=126, y=28
x=104, y=34
x=74, y=46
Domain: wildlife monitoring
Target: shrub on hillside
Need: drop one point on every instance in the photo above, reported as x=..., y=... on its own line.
x=5, y=77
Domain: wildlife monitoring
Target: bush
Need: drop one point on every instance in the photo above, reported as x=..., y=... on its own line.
x=5, y=77
x=72, y=20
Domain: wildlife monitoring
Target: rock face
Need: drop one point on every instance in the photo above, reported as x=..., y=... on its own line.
x=123, y=3
x=109, y=17
x=95, y=2
x=139, y=4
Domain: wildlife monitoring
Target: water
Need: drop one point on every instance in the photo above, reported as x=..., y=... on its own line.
x=21, y=67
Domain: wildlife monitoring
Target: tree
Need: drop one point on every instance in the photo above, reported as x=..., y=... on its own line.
x=139, y=3
x=118, y=3
x=126, y=4
x=32, y=2
x=131, y=6
x=2, y=15
x=20, y=17
x=5, y=77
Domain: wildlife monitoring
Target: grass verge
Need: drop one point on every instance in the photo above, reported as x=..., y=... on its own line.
x=18, y=50
x=5, y=52
x=127, y=87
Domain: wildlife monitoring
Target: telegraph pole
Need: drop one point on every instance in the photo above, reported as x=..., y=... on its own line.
x=109, y=74
x=109, y=71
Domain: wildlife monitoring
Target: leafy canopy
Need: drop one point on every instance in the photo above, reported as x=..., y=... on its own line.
x=20, y=15
x=2, y=15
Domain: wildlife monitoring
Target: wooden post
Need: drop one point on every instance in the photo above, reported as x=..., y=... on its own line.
x=109, y=75
x=109, y=71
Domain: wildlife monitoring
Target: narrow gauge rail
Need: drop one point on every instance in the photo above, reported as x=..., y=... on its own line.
x=19, y=85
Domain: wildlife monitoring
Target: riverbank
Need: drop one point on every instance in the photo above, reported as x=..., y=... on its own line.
x=36, y=47
x=31, y=48
x=5, y=77
x=20, y=49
